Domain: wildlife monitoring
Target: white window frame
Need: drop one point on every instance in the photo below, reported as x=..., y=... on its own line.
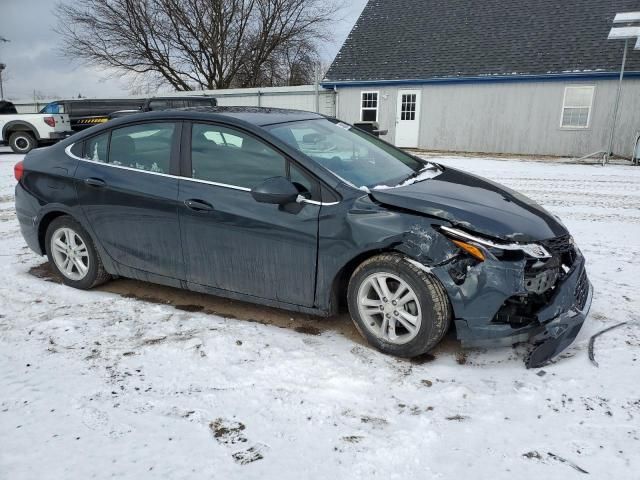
x=565, y=106
x=362, y=109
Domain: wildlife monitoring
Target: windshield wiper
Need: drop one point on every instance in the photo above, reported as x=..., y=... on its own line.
x=417, y=173
x=411, y=176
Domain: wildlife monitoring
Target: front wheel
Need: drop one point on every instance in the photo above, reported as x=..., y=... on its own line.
x=399, y=308
x=73, y=255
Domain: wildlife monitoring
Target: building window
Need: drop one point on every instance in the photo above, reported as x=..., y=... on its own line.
x=369, y=107
x=576, y=107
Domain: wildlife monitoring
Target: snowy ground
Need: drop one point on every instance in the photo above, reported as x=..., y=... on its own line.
x=104, y=384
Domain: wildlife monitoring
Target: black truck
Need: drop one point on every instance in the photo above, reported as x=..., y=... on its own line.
x=85, y=112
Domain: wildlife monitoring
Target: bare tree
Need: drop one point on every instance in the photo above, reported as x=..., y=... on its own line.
x=200, y=44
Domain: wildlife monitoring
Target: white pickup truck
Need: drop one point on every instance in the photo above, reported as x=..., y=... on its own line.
x=26, y=131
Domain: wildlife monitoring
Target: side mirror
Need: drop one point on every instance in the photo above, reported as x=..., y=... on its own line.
x=277, y=190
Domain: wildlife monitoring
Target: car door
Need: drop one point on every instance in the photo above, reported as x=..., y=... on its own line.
x=231, y=241
x=130, y=198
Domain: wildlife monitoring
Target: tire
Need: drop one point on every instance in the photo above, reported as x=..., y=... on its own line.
x=22, y=142
x=85, y=266
x=428, y=306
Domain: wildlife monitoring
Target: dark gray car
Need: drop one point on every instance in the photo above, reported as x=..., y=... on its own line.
x=295, y=210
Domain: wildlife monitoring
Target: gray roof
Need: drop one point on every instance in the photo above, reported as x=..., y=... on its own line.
x=431, y=39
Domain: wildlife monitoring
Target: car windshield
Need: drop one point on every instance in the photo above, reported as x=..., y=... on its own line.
x=356, y=157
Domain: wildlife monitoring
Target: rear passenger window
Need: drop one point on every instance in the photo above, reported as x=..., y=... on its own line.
x=144, y=147
x=76, y=149
x=96, y=148
x=224, y=155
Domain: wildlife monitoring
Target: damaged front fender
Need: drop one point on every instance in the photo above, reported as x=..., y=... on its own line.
x=485, y=289
x=482, y=294
x=494, y=302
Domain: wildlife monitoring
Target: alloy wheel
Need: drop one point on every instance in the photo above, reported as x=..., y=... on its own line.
x=70, y=253
x=389, y=308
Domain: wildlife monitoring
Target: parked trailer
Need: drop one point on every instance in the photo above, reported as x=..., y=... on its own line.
x=166, y=103
x=85, y=113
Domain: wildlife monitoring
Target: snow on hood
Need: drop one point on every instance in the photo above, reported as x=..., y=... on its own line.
x=430, y=171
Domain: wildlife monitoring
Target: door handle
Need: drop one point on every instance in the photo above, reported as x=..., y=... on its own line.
x=95, y=182
x=198, y=205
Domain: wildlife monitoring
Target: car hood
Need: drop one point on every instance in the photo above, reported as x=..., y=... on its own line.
x=475, y=204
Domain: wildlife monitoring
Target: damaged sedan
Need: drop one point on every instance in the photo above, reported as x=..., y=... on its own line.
x=298, y=211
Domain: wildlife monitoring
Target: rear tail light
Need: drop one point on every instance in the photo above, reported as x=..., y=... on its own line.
x=50, y=121
x=18, y=171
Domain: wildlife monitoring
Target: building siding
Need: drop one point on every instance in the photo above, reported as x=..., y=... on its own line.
x=297, y=98
x=513, y=117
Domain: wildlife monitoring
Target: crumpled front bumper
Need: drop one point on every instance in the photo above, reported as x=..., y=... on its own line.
x=559, y=333
x=558, y=322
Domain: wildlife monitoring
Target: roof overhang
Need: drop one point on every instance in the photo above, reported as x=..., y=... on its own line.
x=551, y=77
x=627, y=17
x=624, y=33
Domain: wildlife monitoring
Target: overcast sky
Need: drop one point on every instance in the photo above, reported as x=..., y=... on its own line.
x=34, y=62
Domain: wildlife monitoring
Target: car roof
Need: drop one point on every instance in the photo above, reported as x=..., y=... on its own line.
x=256, y=116
x=259, y=116
x=182, y=97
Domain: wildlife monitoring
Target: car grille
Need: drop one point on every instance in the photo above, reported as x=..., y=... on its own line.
x=582, y=290
x=540, y=277
x=561, y=248
x=559, y=245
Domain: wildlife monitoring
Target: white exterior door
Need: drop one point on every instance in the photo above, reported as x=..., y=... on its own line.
x=408, y=118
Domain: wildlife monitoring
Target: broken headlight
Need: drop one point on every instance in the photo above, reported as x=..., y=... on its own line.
x=479, y=247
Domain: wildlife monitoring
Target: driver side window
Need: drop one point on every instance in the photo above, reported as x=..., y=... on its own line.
x=224, y=155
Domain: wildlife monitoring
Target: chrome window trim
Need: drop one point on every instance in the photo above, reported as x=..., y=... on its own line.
x=67, y=150
x=301, y=199
x=217, y=184
x=122, y=167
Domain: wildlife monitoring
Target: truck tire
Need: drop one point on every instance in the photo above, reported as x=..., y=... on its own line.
x=22, y=142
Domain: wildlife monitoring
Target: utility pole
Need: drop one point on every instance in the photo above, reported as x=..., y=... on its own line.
x=2, y=67
x=628, y=31
x=617, y=104
x=316, y=72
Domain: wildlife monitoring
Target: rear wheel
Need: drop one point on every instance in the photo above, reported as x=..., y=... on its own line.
x=22, y=142
x=399, y=308
x=73, y=255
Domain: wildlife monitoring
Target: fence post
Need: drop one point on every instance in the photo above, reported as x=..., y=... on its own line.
x=317, y=87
